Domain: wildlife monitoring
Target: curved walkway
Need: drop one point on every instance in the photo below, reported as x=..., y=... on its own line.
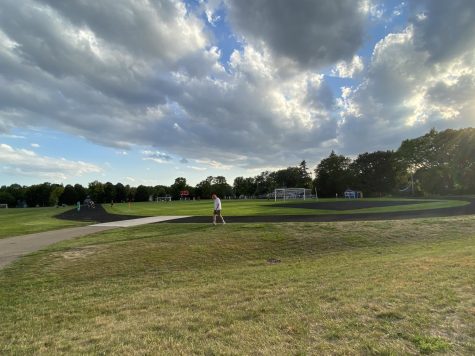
x=12, y=248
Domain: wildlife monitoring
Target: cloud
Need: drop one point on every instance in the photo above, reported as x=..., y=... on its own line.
x=405, y=93
x=35, y=145
x=345, y=69
x=156, y=156
x=27, y=163
x=195, y=168
x=444, y=29
x=214, y=164
x=309, y=33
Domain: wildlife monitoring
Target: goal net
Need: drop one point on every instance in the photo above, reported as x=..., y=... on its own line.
x=292, y=193
x=3, y=206
x=166, y=199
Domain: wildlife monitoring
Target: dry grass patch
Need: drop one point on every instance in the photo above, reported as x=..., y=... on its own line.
x=398, y=287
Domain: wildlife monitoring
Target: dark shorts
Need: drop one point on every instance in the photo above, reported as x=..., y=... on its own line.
x=217, y=212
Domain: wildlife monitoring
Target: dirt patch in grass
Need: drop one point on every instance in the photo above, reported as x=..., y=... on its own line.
x=79, y=253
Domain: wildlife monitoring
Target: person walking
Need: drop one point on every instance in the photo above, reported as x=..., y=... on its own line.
x=217, y=209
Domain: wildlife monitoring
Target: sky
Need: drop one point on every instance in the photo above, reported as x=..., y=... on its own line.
x=145, y=91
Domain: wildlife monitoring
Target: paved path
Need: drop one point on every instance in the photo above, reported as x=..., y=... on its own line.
x=140, y=221
x=12, y=248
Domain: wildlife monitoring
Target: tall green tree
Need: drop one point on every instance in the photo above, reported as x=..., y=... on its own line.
x=376, y=173
x=109, y=192
x=120, y=193
x=96, y=191
x=81, y=192
x=68, y=196
x=143, y=193
x=441, y=162
x=332, y=175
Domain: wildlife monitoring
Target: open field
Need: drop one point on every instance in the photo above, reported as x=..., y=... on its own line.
x=266, y=207
x=385, y=287
x=15, y=222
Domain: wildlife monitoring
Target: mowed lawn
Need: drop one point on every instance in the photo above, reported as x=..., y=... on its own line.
x=15, y=222
x=385, y=287
x=265, y=207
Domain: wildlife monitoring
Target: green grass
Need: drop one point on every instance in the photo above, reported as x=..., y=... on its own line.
x=374, y=288
x=14, y=222
x=262, y=207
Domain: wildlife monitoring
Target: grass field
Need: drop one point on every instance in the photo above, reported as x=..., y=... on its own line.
x=15, y=222
x=380, y=288
x=262, y=207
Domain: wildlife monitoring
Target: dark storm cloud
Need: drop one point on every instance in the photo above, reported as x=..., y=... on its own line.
x=312, y=33
x=443, y=28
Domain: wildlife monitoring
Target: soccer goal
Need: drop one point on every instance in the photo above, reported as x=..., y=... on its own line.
x=292, y=193
x=3, y=206
x=165, y=199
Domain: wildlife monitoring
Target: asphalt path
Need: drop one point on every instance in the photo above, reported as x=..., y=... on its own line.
x=342, y=205
x=100, y=215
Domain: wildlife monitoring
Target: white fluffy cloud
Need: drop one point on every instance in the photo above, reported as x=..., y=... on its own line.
x=27, y=163
x=405, y=93
x=348, y=69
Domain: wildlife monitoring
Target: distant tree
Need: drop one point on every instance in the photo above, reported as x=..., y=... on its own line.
x=239, y=186
x=178, y=186
x=109, y=192
x=265, y=183
x=332, y=175
x=17, y=191
x=55, y=194
x=7, y=198
x=81, y=192
x=68, y=196
x=38, y=194
x=130, y=192
x=120, y=193
x=305, y=179
x=143, y=193
x=203, y=189
x=376, y=173
x=441, y=162
x=96, y=191
x=221, y=187
x=160, y=191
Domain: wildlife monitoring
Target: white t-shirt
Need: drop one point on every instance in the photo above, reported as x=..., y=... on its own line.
x=217, y=204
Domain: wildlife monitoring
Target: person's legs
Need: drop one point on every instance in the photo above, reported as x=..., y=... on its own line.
x=222, y=219
x=214, y=217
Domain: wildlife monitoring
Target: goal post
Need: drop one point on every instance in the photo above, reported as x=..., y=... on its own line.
x=165, y=199
x=3, y=206
x=292, y=193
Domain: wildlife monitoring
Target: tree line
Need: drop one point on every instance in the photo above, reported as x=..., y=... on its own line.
x=437, y=163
